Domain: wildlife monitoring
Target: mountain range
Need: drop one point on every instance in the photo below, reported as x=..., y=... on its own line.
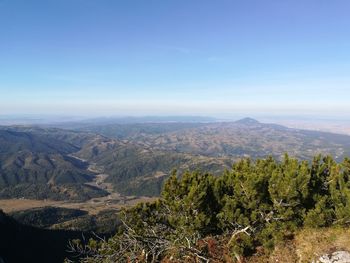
x=63, y=163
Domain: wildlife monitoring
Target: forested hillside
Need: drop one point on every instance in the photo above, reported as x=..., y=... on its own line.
x=136, y=158
x=248, y=210
x=37, y=163
x=103, y=223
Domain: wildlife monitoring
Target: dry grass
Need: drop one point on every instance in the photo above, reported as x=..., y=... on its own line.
x=307, y=245
x=12, y=205
x=312, y=243
x=283, y=253
x=93, y=206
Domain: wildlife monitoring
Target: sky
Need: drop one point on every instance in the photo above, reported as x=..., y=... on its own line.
x=175, y=57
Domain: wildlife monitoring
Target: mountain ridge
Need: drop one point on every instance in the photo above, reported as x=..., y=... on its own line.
x=247, y=121
x=137, y=158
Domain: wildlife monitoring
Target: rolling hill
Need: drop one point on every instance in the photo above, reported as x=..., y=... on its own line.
x=135, y=158
x=244, y=138
x=36, y=163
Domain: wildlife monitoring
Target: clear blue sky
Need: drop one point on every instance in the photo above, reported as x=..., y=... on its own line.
x=175, y=57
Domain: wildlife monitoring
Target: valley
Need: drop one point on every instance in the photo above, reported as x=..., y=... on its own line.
x=81, y=178
x=92, y=161
x=97, y=167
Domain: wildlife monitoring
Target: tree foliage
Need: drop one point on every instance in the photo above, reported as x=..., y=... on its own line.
x=256, y=203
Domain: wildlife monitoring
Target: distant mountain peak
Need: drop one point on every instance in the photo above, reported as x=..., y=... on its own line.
x=247, y=121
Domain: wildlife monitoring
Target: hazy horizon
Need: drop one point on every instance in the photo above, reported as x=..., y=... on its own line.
x=227, y=116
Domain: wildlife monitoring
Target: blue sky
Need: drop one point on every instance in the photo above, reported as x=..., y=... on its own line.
x=175, y=57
